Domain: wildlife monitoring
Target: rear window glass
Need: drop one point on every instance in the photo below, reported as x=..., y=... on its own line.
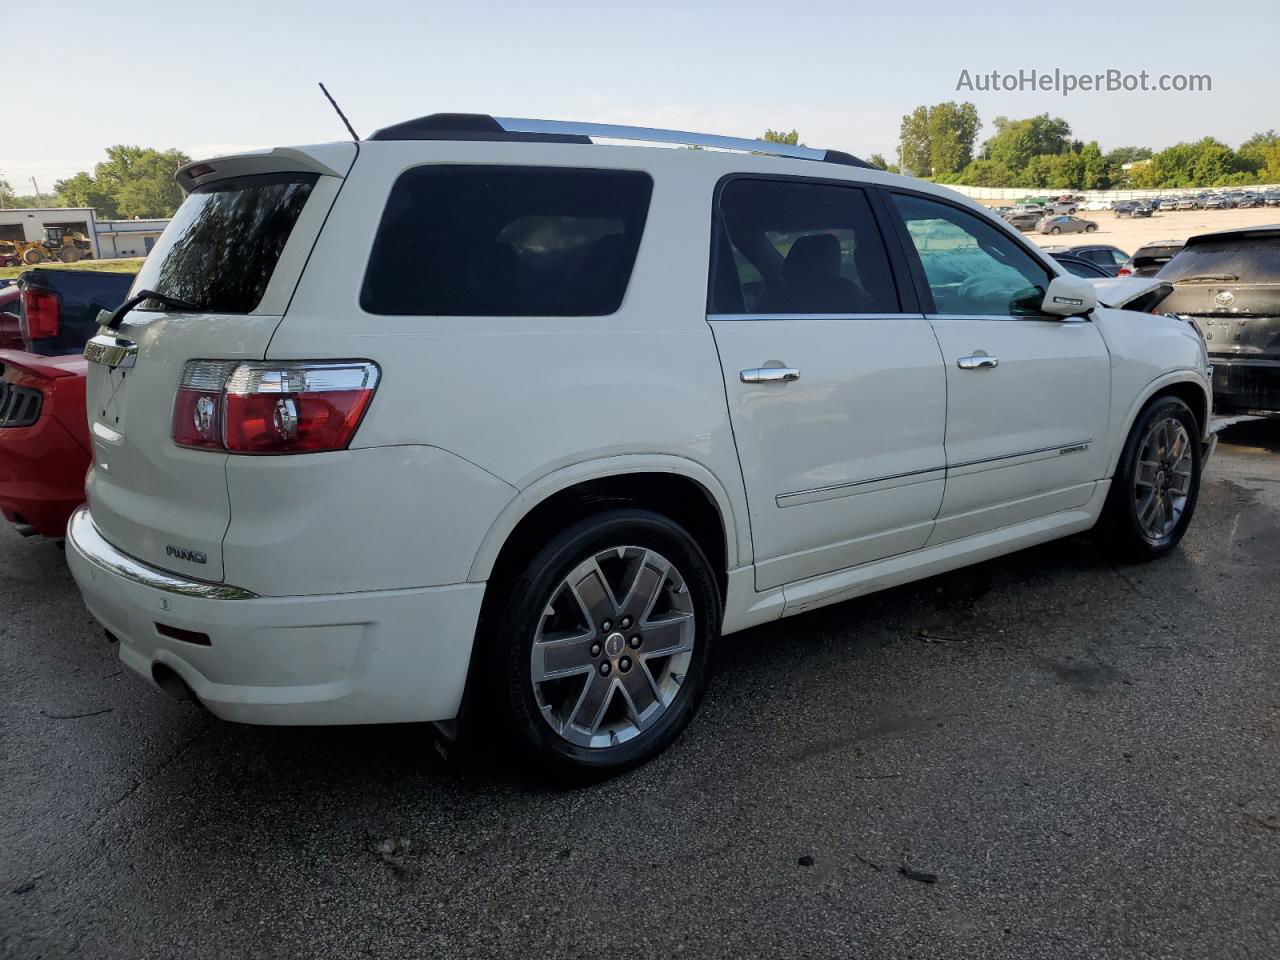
x=223, y=244
x=507, y=241
x=1252, y=260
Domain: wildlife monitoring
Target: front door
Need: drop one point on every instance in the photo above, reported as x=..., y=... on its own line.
x=1028, y=395
x=837, y=395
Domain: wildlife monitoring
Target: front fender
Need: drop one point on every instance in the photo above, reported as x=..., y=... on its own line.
x=1154, y=387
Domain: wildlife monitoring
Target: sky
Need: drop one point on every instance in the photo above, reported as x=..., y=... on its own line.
x=214, y=76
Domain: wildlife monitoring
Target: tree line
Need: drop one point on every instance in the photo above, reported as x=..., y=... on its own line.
x=131, y=182
x=939, y=143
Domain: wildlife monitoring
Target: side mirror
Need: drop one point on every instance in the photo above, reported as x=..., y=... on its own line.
x=1069, y=297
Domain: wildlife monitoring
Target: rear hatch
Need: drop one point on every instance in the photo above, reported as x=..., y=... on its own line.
x=234, y=251
x=1229, y=283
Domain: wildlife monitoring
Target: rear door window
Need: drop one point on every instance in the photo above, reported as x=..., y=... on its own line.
x=506, y=241
x=797, y=247
x=223, y=244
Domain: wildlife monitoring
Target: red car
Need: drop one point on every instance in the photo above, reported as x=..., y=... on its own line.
x=44, y=429
x=44, y=440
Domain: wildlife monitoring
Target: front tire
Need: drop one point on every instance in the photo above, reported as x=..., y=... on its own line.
x=602, y=649
x=1157, y=483
x=1055, y=230
x=1091, y=228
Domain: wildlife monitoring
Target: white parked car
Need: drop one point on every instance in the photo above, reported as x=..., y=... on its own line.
x=482, y=423
x=1095, y=205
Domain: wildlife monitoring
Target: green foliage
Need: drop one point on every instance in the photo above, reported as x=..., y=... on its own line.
x=1095, y=171
x=913, y=143
x=131, y=182
x=1253, y=152
x=777, y=136
x=1122, y=155
x=938, y=141
x=1017, y=141
x=1039, y=151
x=878, y=160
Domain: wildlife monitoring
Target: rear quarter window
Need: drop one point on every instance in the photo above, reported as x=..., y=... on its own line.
x=223, y=244
x=462, y=240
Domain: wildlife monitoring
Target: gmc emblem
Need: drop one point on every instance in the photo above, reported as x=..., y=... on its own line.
x=182, y=553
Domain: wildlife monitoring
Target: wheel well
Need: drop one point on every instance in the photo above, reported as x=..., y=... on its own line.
x=683, y=500
x=1190, y=394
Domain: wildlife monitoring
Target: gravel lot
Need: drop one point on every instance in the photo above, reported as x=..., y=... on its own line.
x=1044, y=756
x=1129, y=233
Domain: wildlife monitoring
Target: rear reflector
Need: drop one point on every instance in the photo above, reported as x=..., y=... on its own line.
x=41, y=314
x=271, y=408
x=186, y=636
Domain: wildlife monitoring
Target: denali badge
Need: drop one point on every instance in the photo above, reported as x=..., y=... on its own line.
x=1074, y=448
x=182, y=553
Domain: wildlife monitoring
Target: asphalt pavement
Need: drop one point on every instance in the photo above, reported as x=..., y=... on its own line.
x=1048, y=755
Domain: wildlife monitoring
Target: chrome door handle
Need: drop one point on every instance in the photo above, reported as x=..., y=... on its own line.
x=978, y=361
x=770, y=375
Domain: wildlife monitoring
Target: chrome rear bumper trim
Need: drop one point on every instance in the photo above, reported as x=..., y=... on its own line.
x=84, y=537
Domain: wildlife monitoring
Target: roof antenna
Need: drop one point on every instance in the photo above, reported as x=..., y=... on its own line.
x=350, y=129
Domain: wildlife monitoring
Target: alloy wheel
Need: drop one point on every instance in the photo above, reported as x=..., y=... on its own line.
x=1162, y=481
x=613, y=646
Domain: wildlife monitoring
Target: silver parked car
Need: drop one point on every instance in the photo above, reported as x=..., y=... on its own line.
x=1056, y=225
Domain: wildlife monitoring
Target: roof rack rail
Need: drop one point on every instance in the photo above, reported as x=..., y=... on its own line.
x=479, y=126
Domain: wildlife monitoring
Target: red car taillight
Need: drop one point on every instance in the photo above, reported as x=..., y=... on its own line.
x=293, y=407
x=1124, y=272
x=41, y=314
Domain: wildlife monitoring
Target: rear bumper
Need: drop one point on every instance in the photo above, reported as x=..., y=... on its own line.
x=1246, y=386
x=370, y=657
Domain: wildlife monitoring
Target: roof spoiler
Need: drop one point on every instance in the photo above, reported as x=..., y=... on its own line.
x=324, y=159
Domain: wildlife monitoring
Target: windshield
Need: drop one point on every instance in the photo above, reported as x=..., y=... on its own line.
x=223, y=244
x=1252, y=260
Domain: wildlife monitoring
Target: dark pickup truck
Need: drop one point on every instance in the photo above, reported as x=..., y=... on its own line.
x=1229, y=284
x=44, y=432
x=60, y=307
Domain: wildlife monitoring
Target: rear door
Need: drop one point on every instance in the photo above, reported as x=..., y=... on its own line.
x=235, y=250
x=1028, y=395
x=836, y=388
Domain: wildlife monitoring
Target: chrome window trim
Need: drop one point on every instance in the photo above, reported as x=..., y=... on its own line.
x=1009, y=317
x=815, y=316
x=84, y=537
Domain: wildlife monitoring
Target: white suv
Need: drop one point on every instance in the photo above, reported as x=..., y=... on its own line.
x=480, y=419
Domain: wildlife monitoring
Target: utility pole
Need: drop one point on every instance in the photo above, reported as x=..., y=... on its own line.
x=37, y=188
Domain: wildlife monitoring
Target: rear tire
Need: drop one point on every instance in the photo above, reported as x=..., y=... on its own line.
x=601, y=650
x=1156, y=484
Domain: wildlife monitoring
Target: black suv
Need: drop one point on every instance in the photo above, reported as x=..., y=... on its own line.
x=1229, y=283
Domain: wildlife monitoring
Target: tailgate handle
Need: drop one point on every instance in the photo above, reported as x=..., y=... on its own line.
x=111, y=351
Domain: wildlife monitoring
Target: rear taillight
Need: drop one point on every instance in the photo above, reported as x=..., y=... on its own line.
x=1124, y=272
x=294, y=407
x=41, y=314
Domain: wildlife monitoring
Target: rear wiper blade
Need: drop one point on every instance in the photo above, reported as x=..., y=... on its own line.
x=1209, y=278
x=111, y=319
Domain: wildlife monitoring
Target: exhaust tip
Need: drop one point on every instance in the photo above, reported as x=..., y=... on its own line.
x=168, y=680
